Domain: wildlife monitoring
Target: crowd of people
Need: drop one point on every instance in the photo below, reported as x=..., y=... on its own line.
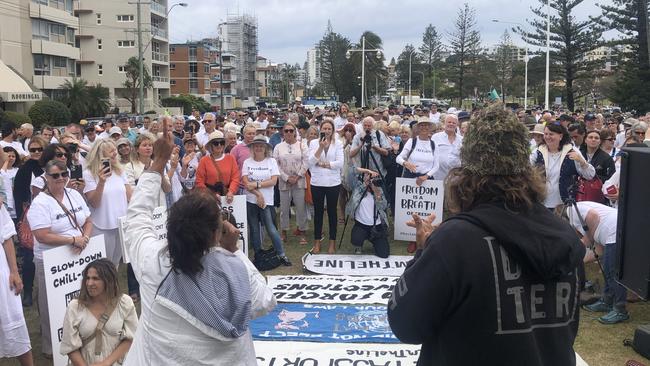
x=66, y=186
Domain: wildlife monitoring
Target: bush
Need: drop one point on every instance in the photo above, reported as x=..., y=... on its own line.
x=17, y=118
x=49, y=112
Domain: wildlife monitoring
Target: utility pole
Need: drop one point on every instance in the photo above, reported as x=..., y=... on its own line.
x=140, y=62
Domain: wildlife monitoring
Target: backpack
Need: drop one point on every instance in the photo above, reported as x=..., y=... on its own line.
x=387, y=161
x=414, y=141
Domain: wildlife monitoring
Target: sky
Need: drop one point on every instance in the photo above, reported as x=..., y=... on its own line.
x=288, y=28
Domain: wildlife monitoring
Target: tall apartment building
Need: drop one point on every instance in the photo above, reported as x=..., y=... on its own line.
x=239, y=38
x=38, y=41
x=189, y=68
x=108, y=38
x=313, y=67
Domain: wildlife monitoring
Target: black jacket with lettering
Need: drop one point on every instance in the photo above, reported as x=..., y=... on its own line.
x=493, y=287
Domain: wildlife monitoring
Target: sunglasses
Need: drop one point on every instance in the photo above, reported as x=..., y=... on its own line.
x=64, y=174
x=35, y=149
x=290, y=131
x=219, y=142
x=59, y=155
x=609, y=139
x=207, y=121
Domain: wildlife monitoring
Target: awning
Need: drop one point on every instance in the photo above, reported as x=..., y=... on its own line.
x=14, y=88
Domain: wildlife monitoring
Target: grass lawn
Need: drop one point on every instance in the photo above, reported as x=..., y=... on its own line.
x=598, y=344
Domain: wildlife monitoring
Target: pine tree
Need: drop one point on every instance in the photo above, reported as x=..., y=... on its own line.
x=335, y=71
x=431, y=48
x=570, y=41
x=465, y=42
x=503, y=58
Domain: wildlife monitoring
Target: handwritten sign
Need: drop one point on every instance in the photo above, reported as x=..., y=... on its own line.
x=238, y=210
x=160, y=227
x=422, y=200
x=63, y=276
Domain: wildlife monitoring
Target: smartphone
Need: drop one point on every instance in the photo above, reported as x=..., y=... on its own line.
x=76, y=172
x=106, y=164
x=612, y=189
x=322, y=136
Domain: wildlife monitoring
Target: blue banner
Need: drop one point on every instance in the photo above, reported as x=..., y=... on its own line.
x=324, y=323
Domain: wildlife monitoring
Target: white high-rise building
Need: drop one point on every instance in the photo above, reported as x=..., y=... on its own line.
x=313, y=67
x=108, y=38
x=239, y=37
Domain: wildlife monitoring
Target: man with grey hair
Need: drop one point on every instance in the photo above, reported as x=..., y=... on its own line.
x=26, y=133
x=639, y=129
x=448, y=144
x=209, y=123
x=369, y=140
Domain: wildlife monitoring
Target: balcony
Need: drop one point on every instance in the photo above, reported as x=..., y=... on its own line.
x=160, y=79
x=53, y=14
x=160, y=57
x=56, y=49
x=79, y=8
x=160, y=33
x=159, y=8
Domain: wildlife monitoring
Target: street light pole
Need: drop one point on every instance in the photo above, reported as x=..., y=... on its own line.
x=410, y=57
x=548, y=53
x=363, y=51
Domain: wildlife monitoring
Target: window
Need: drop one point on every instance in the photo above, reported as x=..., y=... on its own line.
x=60, y=61
x=40, y=29
x=100, y=70
x=192, y=53
x=72, y=67
x=70, y=37
x=99, y=44
x=172, y=49
x=121, y=69
x=193, y=70
x=41, y=65
x=57, y=33
x=172, y=66
x=206, y=84
x=172, y=82
x=125, y=18
x=42, y=2
x=206, y=68
x=68, y=6
x=194, y=85
x=99, y=18
x=125, y=44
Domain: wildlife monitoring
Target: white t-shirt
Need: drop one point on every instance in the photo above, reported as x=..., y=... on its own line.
x=366, y=213
x=16, y=145
x=45, y=212
x=113, y=202
x=422, y=156
x=8, y=177
x=259, y=171
x=605, y=233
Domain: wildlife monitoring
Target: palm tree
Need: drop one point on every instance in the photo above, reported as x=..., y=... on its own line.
x=98, y=103
x=76, y=99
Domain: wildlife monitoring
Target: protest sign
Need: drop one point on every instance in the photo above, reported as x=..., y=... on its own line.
x=342, y=354
x=238, y=209
x=332, y=289
x=63, y=276
x=325, y=323
x=355, y=265
x=422, y=200
x=159, y=224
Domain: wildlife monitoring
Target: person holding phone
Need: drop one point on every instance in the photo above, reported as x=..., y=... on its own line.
x=107, y=192
x=325, y=164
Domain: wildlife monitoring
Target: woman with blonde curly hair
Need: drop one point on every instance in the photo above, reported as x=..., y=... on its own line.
x=107, y=192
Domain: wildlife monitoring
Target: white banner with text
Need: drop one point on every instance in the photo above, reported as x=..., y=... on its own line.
x=332, y=289
x=355, y=265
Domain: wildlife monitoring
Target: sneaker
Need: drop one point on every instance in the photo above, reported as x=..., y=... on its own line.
x=357, y=250
x=285, y=261
x=598, y=307
x=614, y=317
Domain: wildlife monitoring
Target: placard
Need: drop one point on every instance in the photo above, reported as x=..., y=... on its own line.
x=159, y=224
x=238, y=210
x=63, y=276
x=355, y=265
x=332, y=289
x=423, y=200
x=342, y=354
x=325, y=323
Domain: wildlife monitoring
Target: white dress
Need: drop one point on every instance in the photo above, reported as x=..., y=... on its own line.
x=80, y=324
x=15, y=337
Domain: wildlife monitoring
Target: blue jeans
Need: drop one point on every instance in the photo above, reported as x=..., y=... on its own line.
x=256, y=216
x=613, y=293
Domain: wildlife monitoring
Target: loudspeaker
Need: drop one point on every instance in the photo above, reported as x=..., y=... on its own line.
x=633, y=241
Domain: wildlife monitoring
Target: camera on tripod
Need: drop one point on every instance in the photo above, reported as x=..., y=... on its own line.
x=376, y=182
x=367, y=139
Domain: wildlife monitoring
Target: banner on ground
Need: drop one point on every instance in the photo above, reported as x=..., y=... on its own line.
x=317, y=354
x=63, y=276
x=332, y=289
x=422, y=200
x=324, y=323
x=355, y=265
x=237, y=209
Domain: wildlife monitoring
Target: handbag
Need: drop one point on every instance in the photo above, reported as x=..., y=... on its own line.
x=25, y=231
x=377, y=231
x=218, y=187
x=590, y=190
x=266, y=260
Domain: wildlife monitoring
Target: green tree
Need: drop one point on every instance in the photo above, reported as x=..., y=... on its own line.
x=132, y=82
x=431, y=49
x=98, y=100
x=336, y=72
x=629, y=18
x=465, y=42
x=402, y=67
x=503, y=58
x=187, y=102
x=49, y=112
x=374, y=65
x=76, y=97
x=570, y=41
x=15, y=117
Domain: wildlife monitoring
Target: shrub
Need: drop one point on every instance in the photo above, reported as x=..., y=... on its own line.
x=49, y=112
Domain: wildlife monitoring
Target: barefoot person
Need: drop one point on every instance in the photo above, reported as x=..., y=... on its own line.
x=500, y=278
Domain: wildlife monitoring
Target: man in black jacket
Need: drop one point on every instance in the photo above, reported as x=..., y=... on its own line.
x=498, y=283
